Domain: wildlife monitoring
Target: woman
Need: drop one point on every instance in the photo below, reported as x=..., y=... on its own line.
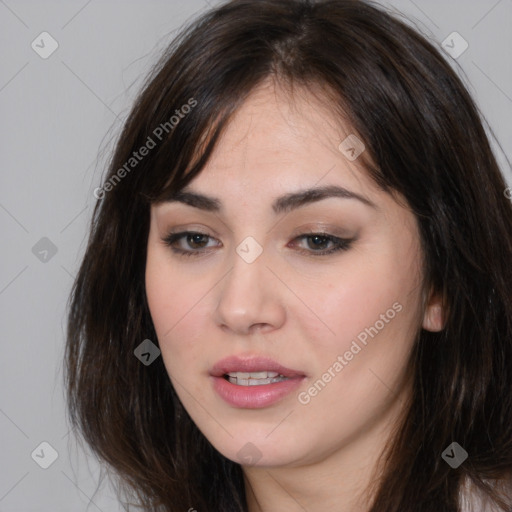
x=296, y=293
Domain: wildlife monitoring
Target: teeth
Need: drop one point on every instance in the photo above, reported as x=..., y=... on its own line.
x=253, y=375
x=255, y=378
x=255, y=382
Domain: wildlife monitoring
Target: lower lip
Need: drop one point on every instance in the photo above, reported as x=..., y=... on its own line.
x=254, y=397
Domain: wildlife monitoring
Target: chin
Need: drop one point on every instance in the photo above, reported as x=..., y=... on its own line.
x=260, y=449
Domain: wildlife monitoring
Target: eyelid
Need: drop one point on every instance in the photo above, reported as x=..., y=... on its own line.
x=194, y=228
x=324, y=229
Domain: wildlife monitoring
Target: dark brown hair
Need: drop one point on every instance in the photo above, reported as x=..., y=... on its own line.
x=424, y=138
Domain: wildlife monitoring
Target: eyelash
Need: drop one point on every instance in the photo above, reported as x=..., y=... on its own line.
x=342, y=244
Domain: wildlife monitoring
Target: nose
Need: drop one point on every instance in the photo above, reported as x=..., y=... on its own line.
x=250, y=298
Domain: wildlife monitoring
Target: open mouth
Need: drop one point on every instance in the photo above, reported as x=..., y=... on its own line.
x=254, y=378
x=253, y=381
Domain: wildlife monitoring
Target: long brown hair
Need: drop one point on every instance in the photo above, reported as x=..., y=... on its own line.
x=424, y=138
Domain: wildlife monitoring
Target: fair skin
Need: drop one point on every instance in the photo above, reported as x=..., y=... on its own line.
x=300, y=309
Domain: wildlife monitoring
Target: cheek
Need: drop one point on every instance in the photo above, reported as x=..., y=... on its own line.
x=178, y=306
x=375, y=319
x=169, y=314
x=354, y=369
x=352, y=300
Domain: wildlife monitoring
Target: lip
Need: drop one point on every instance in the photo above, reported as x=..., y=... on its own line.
x=253, y=397
x=252, y=364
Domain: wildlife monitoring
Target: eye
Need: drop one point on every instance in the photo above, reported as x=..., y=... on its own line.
x=198, y=242
x=319, y=240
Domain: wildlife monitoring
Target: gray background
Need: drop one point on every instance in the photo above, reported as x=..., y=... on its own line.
x=59, y=118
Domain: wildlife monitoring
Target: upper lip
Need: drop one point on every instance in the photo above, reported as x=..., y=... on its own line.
x=251, y=364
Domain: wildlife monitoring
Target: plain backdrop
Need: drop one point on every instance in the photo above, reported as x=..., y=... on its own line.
x=59, y=116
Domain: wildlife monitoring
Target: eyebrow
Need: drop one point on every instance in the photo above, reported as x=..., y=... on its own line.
x=285, y=203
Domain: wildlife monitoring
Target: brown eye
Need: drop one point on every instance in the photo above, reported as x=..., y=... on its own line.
x=193, y=239
x=320, y=240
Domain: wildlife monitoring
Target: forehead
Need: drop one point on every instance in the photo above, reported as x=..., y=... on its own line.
x=278, y=141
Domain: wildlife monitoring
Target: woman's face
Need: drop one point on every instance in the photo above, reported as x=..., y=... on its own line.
x=252, y=293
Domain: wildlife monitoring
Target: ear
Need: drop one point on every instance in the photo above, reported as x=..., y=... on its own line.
x=434, y=314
